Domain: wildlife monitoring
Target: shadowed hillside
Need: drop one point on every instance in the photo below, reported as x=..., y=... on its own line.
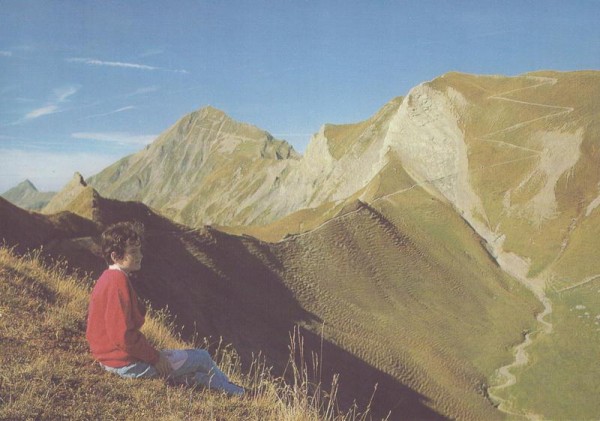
x=48, y=373
x=28, y=229
x=398, y=293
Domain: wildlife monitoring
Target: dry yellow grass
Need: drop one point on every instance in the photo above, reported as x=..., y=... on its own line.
x=47, y=372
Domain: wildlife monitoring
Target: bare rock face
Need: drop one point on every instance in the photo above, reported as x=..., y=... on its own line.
x=514, y=156
x=198, y=170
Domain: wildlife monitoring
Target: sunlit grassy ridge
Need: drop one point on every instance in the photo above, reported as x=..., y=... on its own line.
x=48, y=373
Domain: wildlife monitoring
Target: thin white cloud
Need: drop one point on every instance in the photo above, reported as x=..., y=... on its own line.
x=63, y=93
x=141, y=91
x=120, y=110
x=49, y=171
x=38, y=112
x=60, y=96
x=96, y=62
x=5, y=53
x=122, y=138
x=129, y=107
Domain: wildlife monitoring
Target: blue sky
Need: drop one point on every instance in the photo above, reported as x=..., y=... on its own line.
x=84, y=83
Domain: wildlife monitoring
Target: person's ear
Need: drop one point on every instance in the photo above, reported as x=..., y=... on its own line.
x=113, y=256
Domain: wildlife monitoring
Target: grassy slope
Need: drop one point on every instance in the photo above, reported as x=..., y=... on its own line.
x=365, y=283
x=404, y=298
x=47, y=372
x=561, y=381
x=431, y=309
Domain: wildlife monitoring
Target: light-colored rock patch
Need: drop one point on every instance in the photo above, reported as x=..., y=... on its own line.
x=560, y=153
x=426, y=135
x=594, y=204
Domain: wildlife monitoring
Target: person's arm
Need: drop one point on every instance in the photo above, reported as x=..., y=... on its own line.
x=121, y=328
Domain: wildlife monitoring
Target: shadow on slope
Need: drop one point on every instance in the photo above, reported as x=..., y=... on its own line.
x=26, y=229
x=223, y=286
x=406, y=285
x=362, y=384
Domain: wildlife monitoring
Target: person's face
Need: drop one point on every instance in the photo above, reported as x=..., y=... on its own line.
x=132, y=259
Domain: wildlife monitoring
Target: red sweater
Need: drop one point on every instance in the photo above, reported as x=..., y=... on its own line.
x=114, y=321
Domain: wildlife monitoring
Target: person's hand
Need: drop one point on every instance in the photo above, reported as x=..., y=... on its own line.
x=163, y=366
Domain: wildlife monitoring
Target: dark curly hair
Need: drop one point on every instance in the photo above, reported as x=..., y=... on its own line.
x=118, y=236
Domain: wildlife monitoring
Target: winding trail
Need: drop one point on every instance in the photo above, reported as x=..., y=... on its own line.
x=585, y=281
x=504, y=376
x=500, y=97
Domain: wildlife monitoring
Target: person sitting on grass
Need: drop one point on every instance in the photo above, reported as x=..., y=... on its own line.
x=115, y=317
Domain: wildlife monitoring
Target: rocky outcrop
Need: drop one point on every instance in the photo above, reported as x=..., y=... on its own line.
x=62, y=200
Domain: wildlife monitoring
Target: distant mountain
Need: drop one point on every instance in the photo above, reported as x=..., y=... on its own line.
x=209, y=169
x=516, y=156
x=27, y=196
x=199, y=170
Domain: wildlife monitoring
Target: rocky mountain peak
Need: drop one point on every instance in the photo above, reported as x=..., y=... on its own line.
x=63, y=199
x=77, y=180
x=213, y=130
x=27, y=185
x=27, y=196
x=209, y=111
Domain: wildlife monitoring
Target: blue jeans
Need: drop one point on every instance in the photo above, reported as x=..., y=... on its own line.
x=198, y=369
